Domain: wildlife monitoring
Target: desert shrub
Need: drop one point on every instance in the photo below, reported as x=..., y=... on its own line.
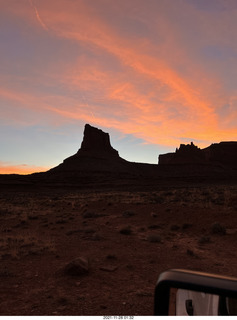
x=96, y=237
x=33, y=217
x=62, y=301
x=186, y=226
x=125, y=230
x=206, y=193
x=190, y=252
x=217, y=228
x=4, y=212
x=70, y=232
x=233, y=201
x=219, y=200
x=61, y=221
x=154, y=215
x=204, y=239
x=89, y=214
x=89, y=230
x=158, y=199
x=154, y=238
x=176, y=199
x=24, y=245
x=128, y=213
x=154, y=226
x=168, y=193
x=4, y=272
x=174, y=227
x=142, y=195
x=111, y=257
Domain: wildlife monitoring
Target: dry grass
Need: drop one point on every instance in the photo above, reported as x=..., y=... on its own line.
x=141, y=235
x=24, y=245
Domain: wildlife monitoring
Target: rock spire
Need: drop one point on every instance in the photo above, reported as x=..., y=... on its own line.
x=96, y=143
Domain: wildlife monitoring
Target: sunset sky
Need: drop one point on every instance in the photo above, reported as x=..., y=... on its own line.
x=151, y=73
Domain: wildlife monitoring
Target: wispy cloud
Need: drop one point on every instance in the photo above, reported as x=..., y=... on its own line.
x=43, y=25
x=159, y=70
x=144, y=65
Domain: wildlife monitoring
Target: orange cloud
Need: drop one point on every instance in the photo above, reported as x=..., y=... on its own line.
x=144, y=115
x=171, y=107
x=43, y=25
x=89, y=28
x=7, y=168
x=8, y=94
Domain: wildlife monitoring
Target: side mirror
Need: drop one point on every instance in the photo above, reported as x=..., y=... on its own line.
x=184, y=292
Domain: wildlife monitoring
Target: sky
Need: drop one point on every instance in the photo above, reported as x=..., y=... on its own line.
x=151, y=73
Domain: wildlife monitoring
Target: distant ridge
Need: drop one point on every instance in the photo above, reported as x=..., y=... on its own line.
x=98, y=163
x=218, y=154
x=97, y=160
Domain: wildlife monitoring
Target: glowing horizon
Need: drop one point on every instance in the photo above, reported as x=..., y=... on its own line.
x=152, y=74
x=24, y=169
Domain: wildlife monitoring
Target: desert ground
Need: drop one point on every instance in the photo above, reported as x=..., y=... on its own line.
x=122, y=238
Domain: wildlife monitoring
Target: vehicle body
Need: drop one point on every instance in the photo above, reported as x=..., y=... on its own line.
x=185, y=292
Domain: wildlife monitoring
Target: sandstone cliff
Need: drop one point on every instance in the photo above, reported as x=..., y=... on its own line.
x=98, y=163
x=223, y=154
x=96, y=157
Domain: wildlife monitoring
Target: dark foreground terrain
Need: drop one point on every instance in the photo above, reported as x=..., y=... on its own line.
x=124, y=238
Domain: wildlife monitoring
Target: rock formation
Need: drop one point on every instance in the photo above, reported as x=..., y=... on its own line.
x=222, y=154
x=97, y=159
x=98, y=163
x=95, y=154
x=186, y=154
x=96, y=143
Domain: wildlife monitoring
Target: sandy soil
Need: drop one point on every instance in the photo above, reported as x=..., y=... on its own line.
x=129, y=238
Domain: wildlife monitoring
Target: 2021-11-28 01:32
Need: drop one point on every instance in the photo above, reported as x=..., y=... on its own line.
x=118, y=317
